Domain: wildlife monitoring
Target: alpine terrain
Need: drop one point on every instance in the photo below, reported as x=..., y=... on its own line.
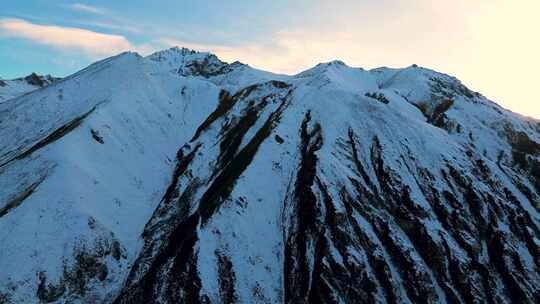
x=12, y=88
x=179, y=178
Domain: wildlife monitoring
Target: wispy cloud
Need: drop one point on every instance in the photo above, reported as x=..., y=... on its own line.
x=67, y=38
x=103, y=18
x=88, y=9
x=112, y=25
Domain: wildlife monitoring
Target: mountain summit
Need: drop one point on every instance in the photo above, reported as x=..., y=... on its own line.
x=179, y=178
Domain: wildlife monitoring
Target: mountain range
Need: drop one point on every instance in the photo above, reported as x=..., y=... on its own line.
x=179, y=178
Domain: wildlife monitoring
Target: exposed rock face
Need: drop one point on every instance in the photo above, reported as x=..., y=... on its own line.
x=10, y=89
x=40, y=81
x=337, y=185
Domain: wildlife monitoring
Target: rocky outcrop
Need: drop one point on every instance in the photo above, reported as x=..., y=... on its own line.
x=16, y=87
x=40, y=81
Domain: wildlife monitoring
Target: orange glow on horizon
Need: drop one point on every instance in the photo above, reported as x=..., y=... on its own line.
x=491, y=46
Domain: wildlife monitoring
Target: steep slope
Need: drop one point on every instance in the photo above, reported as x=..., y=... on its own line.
x=180, y=178
x=12, y=88
x=80, y=179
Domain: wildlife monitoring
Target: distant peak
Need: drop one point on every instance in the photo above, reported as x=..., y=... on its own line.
x=182, y=50
x=177, y=52
x=38, y=80
x=334, y=62
x=324, y=67
x=238, y=64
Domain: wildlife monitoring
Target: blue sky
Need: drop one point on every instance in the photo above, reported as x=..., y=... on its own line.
x=488, y=44
x=147, y=25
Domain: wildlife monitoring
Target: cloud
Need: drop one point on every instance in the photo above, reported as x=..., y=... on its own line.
x=88, y=9
x=104, y=18
x=66, y=38
x=112, y=25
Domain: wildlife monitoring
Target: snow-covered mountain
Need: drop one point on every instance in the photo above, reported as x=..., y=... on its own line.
x=179, y=178
x=13, y=88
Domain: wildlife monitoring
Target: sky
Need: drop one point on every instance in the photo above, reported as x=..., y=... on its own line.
x=492, y=46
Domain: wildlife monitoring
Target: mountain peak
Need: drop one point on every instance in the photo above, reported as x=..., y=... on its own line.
x=333, y=63
x=177, y=53
x=181, y=60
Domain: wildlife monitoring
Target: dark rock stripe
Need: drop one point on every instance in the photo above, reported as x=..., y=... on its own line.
x=19, y=199
x=54, y=136
x=296, y=263
x=223, y=184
